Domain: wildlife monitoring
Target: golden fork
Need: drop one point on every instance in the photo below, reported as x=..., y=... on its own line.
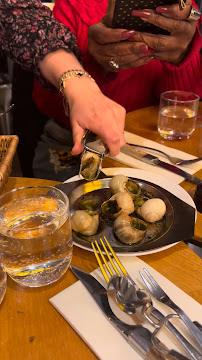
x=120, y=272
x=121, y=286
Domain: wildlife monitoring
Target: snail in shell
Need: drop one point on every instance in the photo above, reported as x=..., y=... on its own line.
x=90, y=165
x=152, y=210
x=120, y=183
x=85, y=222
x=129, y=230
x=139, y=201
x=119, y=203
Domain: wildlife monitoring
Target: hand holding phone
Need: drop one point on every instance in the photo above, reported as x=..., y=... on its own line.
x=106, y=43
x=119, y=14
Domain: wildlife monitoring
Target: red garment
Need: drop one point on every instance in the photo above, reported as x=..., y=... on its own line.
x=132, y=88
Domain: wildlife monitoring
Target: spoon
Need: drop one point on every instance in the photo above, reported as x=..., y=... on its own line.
x=127, y=300
x=128, y=295
x=3, y=282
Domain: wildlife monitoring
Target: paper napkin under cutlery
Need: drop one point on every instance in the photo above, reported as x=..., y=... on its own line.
x=77, y=306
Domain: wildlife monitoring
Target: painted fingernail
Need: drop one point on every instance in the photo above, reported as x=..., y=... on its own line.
x=127, y=34
x=141, y=13
x=162, y=9
x=143, y=48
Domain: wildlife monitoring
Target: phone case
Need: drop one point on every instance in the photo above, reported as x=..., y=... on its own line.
x=119, y=14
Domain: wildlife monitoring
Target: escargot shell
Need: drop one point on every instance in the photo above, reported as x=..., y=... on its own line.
x=119, y=203
x=129, y=230
x=120, y=183
x=152, y=210
x=90, y=165
x=139, y=201
x=85, y=222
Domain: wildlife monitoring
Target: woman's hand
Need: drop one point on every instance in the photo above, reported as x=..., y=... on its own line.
x=90, y=109
x=106, y=44
x=174, y=47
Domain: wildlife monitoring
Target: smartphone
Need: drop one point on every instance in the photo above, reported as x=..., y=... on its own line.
x=119, y=15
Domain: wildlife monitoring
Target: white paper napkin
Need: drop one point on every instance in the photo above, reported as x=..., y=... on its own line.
x=77, y=306
x=128, y=160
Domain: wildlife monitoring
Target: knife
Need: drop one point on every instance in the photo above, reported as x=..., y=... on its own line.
x=154, y=160
x=136, y=335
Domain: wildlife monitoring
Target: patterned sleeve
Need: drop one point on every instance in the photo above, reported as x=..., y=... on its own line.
x=28, y=32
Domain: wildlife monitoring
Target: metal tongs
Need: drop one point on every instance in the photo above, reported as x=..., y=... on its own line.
x=91, y=159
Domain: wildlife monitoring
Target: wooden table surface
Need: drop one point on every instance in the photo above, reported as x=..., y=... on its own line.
x=31, y=328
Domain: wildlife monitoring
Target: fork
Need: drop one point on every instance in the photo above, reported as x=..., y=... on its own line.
x=173, y=159
x=120, y=270
x=160, y=295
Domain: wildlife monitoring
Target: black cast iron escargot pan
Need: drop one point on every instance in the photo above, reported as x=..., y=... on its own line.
x=176, y=225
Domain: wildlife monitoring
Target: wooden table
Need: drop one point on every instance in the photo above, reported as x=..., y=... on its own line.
x=31, y=328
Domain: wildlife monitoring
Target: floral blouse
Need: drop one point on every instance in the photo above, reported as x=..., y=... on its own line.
x=28, y=32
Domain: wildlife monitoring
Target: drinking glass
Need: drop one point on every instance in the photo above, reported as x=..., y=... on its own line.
x=177, y=114
x=35, y=235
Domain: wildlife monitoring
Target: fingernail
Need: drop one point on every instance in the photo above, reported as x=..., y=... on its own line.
x=127, y=34
x=132, y=37
x=141, y=13
x=143, y=48
x=162, y=9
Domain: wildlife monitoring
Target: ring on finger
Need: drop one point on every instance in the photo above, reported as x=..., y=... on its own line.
x=113, y=64
x=195, y=14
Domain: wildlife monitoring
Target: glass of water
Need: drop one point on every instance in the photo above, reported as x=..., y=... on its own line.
x=177, y=114
x=35, y=235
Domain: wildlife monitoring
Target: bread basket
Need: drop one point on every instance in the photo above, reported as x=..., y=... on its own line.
x=8, y=145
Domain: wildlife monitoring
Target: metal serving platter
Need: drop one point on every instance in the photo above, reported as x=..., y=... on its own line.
x=177, y=223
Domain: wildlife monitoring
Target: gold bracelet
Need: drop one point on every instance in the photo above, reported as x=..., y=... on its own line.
x=68, y=75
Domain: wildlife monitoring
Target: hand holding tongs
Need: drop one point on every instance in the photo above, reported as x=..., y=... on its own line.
x=91, y=159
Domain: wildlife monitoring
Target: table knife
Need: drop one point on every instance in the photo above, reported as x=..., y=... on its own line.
x=137, y=336
x=154, y=160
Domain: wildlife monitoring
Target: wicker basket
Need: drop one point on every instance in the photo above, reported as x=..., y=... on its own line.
x=8, y=145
